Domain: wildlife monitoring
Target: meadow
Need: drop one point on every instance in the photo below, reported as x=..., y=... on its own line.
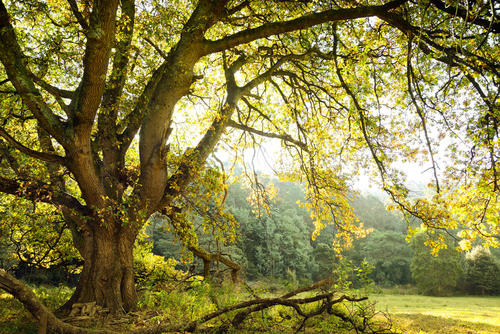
x=425, y=314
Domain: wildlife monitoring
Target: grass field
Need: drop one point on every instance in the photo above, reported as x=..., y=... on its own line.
x=410, y=314
x=423, y=314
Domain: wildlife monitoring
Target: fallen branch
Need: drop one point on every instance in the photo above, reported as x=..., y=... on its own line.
x=48, y=321
x=258, y=304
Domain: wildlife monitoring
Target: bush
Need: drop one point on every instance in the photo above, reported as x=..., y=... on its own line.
x=153, y=269
x=482, y=273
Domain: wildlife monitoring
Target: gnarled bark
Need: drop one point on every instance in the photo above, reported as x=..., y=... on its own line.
x=107, y=276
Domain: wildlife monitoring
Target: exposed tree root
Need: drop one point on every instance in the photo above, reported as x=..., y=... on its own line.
x=326, y=301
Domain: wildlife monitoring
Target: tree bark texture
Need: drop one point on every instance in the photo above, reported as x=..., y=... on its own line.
x=107, y=276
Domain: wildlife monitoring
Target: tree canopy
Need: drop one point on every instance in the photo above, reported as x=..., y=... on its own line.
x=114, y=110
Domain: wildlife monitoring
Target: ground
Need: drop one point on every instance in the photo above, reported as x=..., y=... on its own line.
x=424, y=314
x=412, y=314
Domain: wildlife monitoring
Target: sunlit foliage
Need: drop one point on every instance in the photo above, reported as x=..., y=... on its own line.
x=112, y=111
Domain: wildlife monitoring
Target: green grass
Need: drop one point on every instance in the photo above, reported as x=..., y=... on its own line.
x=14, y=318
x=410, y=314
x=177, y=308
x=423, y=314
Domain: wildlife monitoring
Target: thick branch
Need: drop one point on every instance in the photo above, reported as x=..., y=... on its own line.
x=53, y=90
x=193, y=159
x=113, y=159
x=118, y=76
x=134, y=119
x=47, y=157
x=237, y=8
x=210, y=257
x=21, y=292
x=172, y=86
x=40, y=192
x=5, y=152
x=285, y=300
x=275, y=28
x=456, y=10
x=100, y=37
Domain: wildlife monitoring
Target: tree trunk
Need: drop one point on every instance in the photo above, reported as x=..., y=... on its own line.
x=107, y=276
x=206, y=269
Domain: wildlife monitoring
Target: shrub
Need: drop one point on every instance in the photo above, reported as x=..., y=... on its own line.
x=482, y=273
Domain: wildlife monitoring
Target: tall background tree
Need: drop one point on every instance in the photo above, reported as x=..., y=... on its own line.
x=110, y=111
x=435, y=275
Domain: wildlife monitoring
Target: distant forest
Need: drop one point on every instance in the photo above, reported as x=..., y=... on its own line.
x=277, y=245
x=273, y=242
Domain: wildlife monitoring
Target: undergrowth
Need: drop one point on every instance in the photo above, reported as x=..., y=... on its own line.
x=187, y=302
x=14, y=318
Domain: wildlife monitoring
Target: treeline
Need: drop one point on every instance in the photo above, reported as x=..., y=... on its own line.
x=271, y=243
x=277, y=245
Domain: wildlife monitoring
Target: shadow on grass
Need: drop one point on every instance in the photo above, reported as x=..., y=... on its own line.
x=415, y=323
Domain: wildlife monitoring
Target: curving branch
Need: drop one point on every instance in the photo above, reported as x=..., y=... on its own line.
x=53, y=90
x=259, y=304
x=41, y=192
x=276, y=28
x=43, y=315
x=360, y=110
x=452, y=54
x=47, y=319
x=194, y=158
x=157, y=48
x=47, y=157
x=134, y=119
x=211, y=257
x=284, y=137
x=237, y=8
x=116, y=83
x=273, y=70
x=463, y=13
x=113, y=159
x=410, y=78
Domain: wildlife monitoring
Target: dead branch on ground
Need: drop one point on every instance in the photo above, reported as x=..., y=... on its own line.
x=325, y=301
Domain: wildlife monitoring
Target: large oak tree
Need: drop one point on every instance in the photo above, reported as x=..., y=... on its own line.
x=110, y=111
